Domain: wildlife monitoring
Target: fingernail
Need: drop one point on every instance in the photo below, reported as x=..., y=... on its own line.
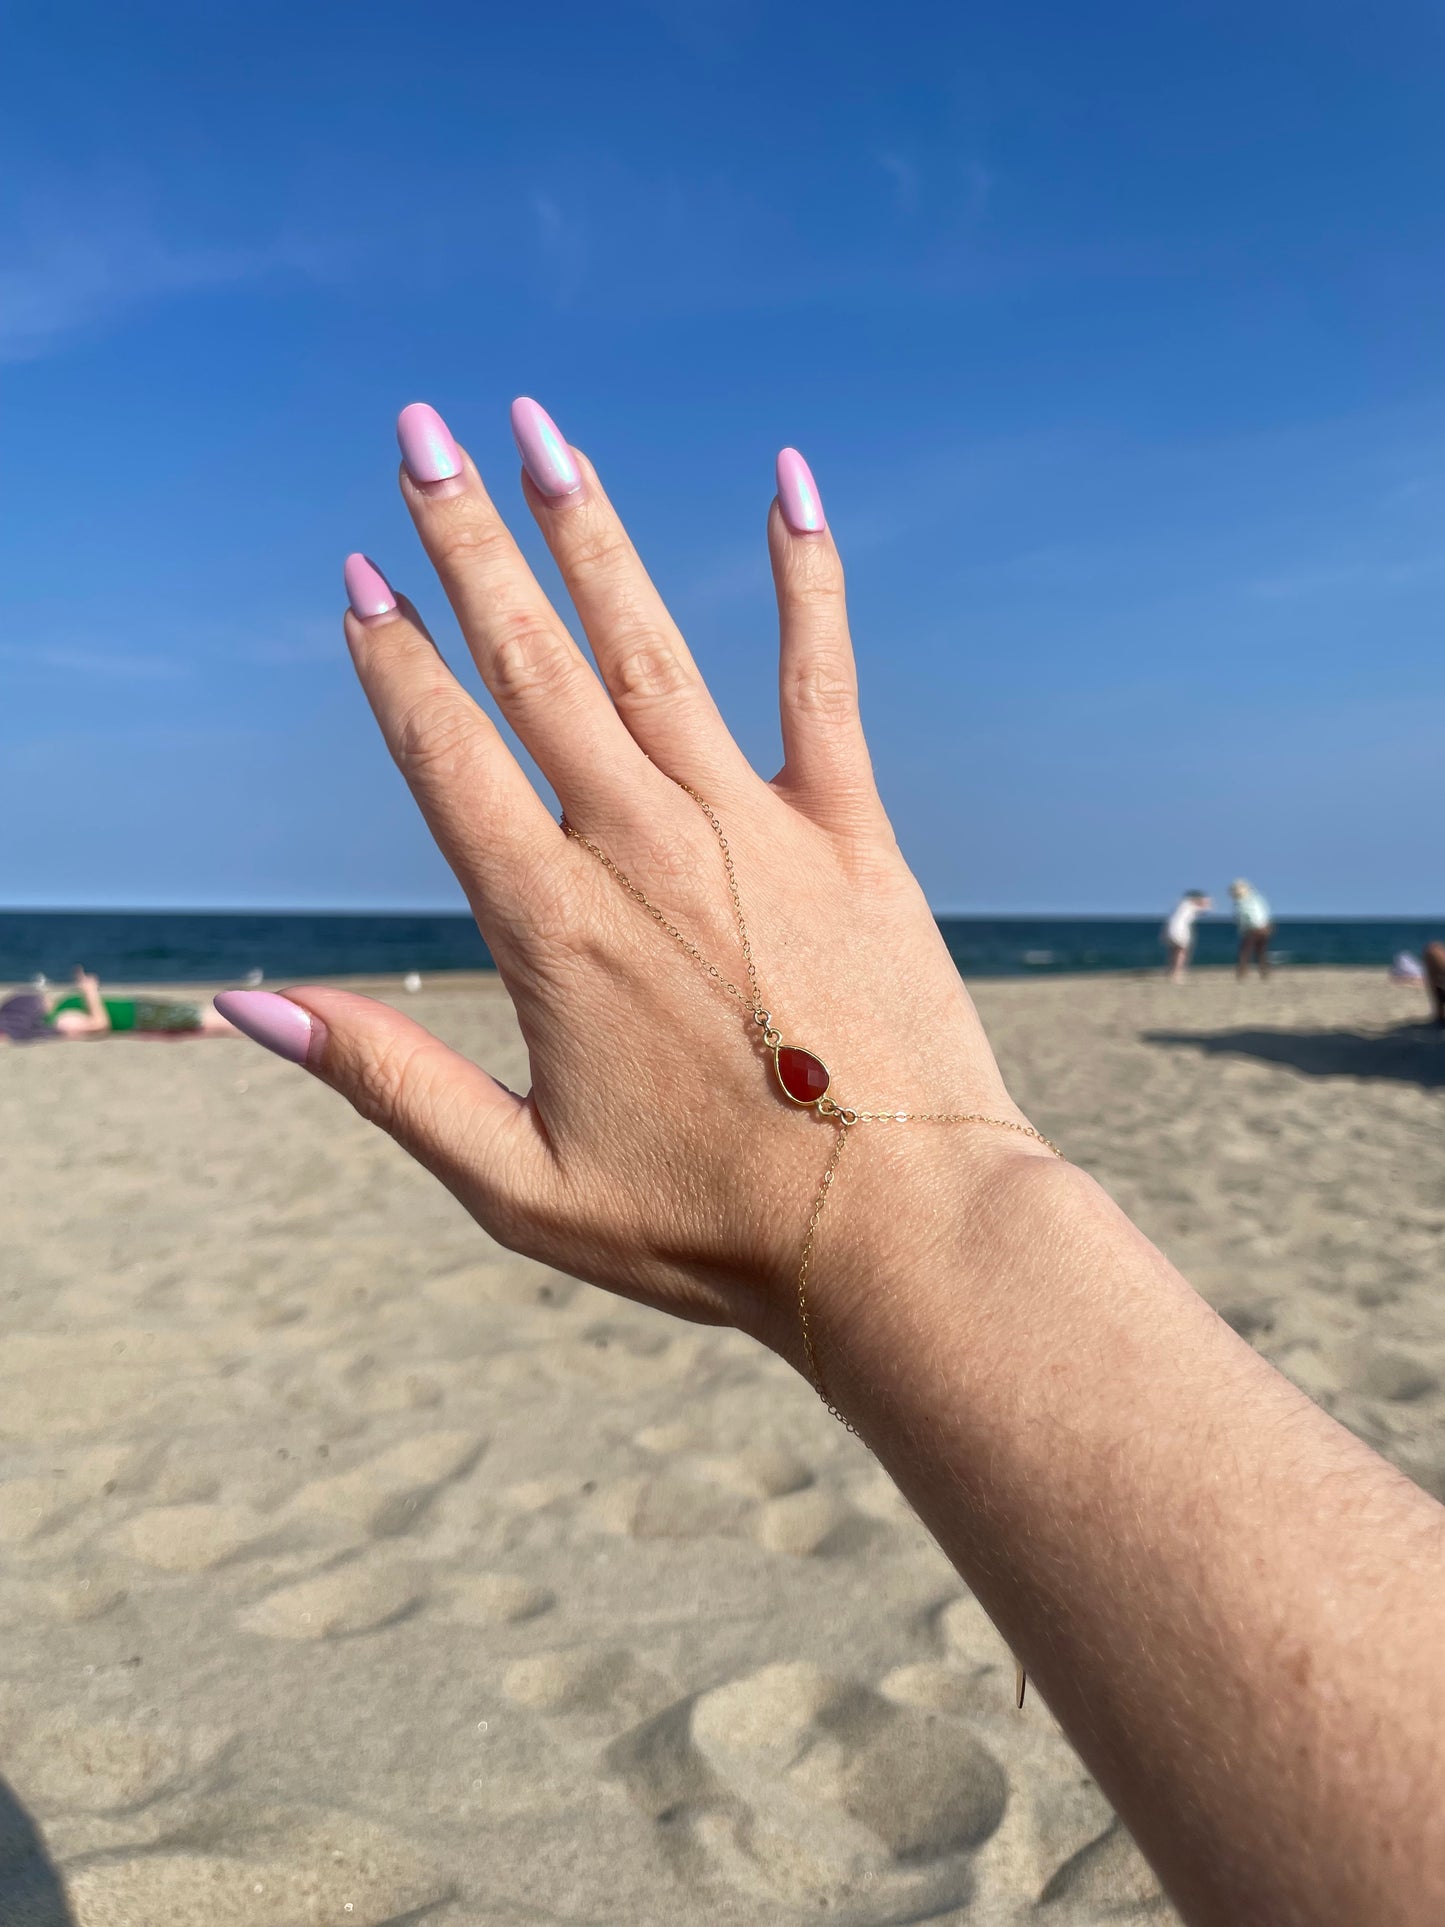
x=427, y=447
x=367, y=589
x=798, y=496
x=272, y=1021
x=545, y=455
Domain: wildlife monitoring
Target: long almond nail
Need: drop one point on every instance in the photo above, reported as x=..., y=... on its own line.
x=273, y=1021
x=427, y=447
x=367, y=589
x=798, y=495
x=545, y=455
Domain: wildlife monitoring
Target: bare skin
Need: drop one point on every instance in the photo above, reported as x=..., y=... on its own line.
x=94, y=1020
x=1230, y=1603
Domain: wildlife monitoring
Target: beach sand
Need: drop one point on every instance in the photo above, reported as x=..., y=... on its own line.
x=353, y=1570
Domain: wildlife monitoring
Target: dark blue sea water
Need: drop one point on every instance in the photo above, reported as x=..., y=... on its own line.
x=165, y=946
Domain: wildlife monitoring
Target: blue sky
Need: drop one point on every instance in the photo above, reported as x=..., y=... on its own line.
x=1113, y=334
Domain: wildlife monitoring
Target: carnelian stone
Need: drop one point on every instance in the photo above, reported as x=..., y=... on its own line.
x=803, y=1076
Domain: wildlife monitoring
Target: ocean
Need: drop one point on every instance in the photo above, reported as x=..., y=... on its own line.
x=182, y=946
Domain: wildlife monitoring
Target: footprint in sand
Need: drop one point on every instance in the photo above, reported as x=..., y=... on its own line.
x=1105, y=1880
x=763, y=1496
x=1252, y=1318
x=33, y=1508
x=391, y=1493
x=78, y=1597
x=761, y=1472
x=975, y=1693
x=619, y=1356
x=966, y=1634
x=496, y=1599
x=1392, y=1376
x=668, y=1440
x=335, y=1873
x=590, y=1682
x=519, y=1282
x=818, y=1793
x=104, y=1767
x=813, y=1524
x=194, y=1538
x=339, y=1604
x=671, y=1506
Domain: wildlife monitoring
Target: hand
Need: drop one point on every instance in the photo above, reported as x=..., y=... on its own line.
x=654, y=1154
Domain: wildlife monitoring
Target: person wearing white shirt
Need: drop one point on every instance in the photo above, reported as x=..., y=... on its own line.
x=1179, y=931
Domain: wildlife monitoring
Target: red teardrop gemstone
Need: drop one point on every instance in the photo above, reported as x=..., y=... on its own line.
x=803, y=1076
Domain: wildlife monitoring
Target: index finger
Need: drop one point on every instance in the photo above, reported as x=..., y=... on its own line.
x=488, y=821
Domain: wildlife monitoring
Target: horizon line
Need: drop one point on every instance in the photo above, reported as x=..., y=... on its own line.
x=452, y=910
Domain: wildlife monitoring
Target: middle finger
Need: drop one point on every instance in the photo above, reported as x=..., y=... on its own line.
x=541, y=681
x=639, y=649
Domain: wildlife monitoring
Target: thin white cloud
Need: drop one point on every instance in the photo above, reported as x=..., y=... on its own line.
x=60, y=278
x=1372, y=576
x=67, y=659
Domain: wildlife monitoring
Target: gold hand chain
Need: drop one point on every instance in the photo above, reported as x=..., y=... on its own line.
x=804, y=1080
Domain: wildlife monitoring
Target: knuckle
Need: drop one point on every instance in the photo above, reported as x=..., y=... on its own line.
x=385, y=1081
x=823, y=692
x=525, y=658
x=598, y=551
x=642, y=666
x=464, y=539
x=814, y=592
x=435, y=741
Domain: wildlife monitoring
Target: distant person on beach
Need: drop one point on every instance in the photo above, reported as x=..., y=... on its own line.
x=1256, y=927
x=1179, y=931
x=1231, y=1604
x=35, y=1016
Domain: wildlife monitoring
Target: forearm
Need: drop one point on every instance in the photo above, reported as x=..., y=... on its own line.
x=1230, y=1603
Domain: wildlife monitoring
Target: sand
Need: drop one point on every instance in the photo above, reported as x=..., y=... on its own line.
x=353, y=1570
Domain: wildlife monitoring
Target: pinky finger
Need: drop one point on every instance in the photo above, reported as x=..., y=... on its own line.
x=825, y=759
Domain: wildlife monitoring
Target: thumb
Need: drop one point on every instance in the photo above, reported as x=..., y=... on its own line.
x=479, y=1138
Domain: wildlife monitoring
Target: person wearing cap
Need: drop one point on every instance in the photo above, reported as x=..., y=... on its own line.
x=1256, y=927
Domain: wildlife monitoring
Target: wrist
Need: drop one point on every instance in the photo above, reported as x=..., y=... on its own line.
x=920, y=1228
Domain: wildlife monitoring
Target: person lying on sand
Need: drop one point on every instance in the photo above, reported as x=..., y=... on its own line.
x=762, y=1097
x=32, y=1016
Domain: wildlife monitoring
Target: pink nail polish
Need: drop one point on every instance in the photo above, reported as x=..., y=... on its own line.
x=427, y=447
x=367, y=589
x=545, y=455
x=273, y=1021
x=798, y=495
